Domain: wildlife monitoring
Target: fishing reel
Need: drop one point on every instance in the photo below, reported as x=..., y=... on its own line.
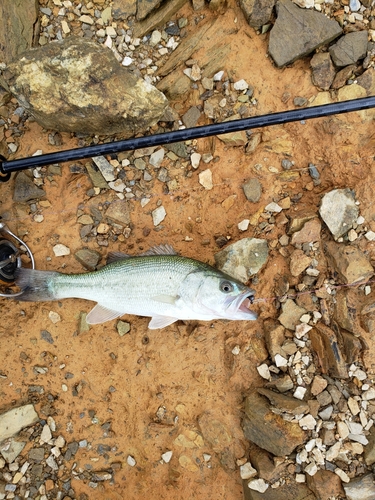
x=10, y=258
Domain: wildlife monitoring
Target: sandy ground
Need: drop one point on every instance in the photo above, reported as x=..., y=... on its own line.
x=188, y=370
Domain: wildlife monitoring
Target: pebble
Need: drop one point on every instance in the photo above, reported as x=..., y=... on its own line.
x=158, y=215
x=299, y=393
x=273, y=207
x=167, y=456
x=205, y=179
x=131, y=461
x=195, y=159
x=258, y=485
x=157, y=157
x=241, y=85
x=247, y=471
x=307, y=422
x=54, y=317
x=342, y=475
x=61, y=250
x=264, y=371
x=243, y=225
x=46, y=435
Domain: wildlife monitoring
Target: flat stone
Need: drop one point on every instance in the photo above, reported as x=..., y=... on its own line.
x=252, y=189
x=214, y=432
x=96, y=176
x=105, y=167
x=13, y=451
x=119, y=212
x=349, y=262
x=291, y=314
x=60, y=250
x=323, y=70
x=19, y=18
x=325, y=343
x=157, y=157
x=318, y=385
x=369, y=452
x=205, y=179
x=309, y=233
x=298, y=32
x=274, y=335
x=299, y=261
x=350, y=48
x=16, y=419
x=191, y=117
x=360, y=488
x=339, y=211
x=257, y=12
x=325, y=484
x=342, y=76
x=88, y=258
x=279, y=437
x=25, y=189
x=243, y=258
x=285, y=403
x=36, y=454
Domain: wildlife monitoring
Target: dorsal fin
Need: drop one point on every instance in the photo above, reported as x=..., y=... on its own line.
x=156, y=250
x=115, y=256
x=160, y=250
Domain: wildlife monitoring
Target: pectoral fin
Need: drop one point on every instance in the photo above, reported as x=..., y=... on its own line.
x=100, y=314
x=160, y=322
x=166, y=299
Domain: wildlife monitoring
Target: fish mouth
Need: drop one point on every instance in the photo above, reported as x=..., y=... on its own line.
x=241, y=304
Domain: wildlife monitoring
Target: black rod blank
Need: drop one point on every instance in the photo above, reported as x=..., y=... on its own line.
x=6, y=167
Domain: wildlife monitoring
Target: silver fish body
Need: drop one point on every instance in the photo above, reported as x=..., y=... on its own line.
x=165, y=287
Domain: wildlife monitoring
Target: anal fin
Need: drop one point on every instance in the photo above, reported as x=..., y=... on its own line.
x=100, y=314
x=161, y=322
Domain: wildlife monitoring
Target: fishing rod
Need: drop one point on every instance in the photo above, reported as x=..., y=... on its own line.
x=7, y=167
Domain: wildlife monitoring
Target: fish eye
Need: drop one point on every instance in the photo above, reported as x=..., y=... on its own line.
x=226, y=286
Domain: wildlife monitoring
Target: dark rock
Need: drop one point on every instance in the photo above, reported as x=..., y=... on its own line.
x=158, y=18
x=191, y=117
x=279, y=437
x=179, y=149
x=115, y=100
x=18, y=18
x=25, y=189
x=326, y=345
x=298, y=32
x=369, y=453
x=350, y=48
x=361, y=488
x=122, y=9
x=285, y=403
x=88, y=258
x=145, y=7
x=342, y=76
x=367, y=80
x=45, y=335
x=252, y=189
x=257, y=12
x=36, y=454
x=325, y=484
x=323, y=70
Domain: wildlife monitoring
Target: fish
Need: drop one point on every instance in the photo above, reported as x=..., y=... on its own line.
x=158, y=283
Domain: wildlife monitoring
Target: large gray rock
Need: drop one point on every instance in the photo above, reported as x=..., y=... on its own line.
x=16, y=419
x=257, y=12
x=361, y=488
x=18, y=18
x=297, y=32
x=78, y=86
x=243, y=259
x=339, y=211
x=349, y=49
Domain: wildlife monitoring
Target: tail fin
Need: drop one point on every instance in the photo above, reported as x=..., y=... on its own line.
x=35, y=285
